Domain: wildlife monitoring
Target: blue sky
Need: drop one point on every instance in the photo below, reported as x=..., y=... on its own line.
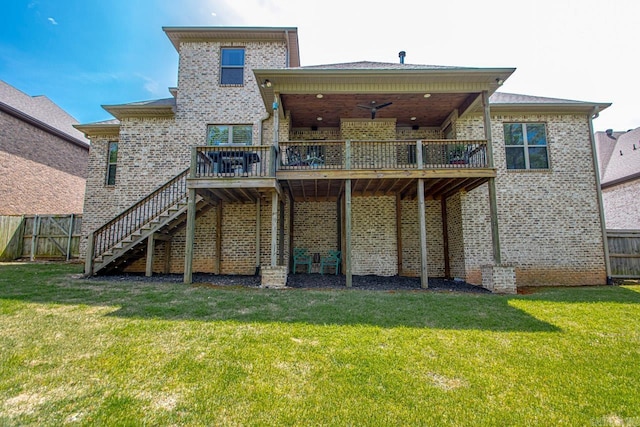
x=86, y=53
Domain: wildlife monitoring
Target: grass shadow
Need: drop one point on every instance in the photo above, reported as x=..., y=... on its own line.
x=172, y=301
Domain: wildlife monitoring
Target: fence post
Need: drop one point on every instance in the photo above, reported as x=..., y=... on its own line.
x=36, y=220
x=70, y=237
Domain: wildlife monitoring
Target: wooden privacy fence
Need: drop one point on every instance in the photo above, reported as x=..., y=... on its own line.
x=624, y=253
x=40, y=237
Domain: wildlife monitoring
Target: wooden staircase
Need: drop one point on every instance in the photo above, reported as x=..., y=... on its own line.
x=125, y=237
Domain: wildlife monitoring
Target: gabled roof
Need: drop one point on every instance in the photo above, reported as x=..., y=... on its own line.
x=242, y=34
x=620, y=159
x=164, y=107
x=41, y=112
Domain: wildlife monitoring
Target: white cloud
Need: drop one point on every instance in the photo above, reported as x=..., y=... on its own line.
x=150, y=85
x=53, y=21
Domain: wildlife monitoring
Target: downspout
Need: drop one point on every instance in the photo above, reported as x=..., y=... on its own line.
x=594, y=115
x=286, y=40
x=261, y=125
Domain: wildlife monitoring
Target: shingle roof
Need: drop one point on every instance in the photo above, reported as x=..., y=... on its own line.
x=40, y=108
x=624, y=159
x=369, y=65
x=514, y=98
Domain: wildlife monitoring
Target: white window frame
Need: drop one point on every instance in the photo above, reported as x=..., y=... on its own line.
x=230, y=130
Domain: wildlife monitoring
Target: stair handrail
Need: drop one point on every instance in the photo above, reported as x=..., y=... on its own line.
x=135, y=217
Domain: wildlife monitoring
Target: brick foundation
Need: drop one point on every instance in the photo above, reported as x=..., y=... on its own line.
x=499, y=279
x=274, y=277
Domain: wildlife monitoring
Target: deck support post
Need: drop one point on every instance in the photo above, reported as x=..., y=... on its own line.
x=399, y=231
x=88, y=258
x=424, y=277
x=274, y=229
x=219, y=237
x=347, y=231
x=445, y=237
x=258, y=213
x=493, y=201
x=151, y=247
x=190, y=236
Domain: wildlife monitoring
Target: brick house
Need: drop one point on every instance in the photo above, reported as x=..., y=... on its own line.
x=408, y=170
x=43, y=158
x=619, y=160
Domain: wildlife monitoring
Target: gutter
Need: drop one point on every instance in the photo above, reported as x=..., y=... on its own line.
x=595, y=112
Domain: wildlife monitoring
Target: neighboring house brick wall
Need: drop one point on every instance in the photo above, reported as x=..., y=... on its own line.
x=549, y=220
x=41, y=173
x=620, y=204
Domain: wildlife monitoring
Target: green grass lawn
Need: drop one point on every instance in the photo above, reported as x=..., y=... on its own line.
x=83, y=352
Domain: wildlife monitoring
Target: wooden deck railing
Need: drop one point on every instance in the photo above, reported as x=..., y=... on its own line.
x=235, y=161
x=436, y=154
x=231, y=161
x=141, y=213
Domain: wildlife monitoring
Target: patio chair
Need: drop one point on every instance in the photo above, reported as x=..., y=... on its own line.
x=301, y=257
x=331, y=260
x=293, y=156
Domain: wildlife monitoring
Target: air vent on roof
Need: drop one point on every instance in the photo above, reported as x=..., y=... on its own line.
x=402, y=54
x=609, y=133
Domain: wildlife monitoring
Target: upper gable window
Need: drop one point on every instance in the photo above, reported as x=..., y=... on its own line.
x=526, y=146
x=232, y=66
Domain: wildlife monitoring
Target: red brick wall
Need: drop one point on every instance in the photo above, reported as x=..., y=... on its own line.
x=40, y=173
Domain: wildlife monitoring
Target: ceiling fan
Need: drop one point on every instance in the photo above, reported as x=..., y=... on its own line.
x=374, y=108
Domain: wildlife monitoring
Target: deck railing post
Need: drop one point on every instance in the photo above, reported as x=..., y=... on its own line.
x=419, y=158
x=347, y=154
x=194, y=162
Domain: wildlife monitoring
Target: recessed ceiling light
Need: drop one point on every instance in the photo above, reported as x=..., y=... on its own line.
x=413, y=118
x=319, y=96
x=319, y=119
x=427, y=95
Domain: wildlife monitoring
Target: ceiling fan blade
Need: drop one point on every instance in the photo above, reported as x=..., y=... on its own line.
x=386, y=104
x=366, y=107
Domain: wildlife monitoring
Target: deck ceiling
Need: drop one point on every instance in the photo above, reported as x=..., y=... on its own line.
x=332, y=189
x=428, y=111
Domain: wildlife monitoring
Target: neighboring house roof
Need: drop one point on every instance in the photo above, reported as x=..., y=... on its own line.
x=41, y=112
x=619, y=156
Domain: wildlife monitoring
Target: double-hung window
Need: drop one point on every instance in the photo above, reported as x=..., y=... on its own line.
x=112, y=160
x=229, y=134
x=232, y=66
x=526, y=146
